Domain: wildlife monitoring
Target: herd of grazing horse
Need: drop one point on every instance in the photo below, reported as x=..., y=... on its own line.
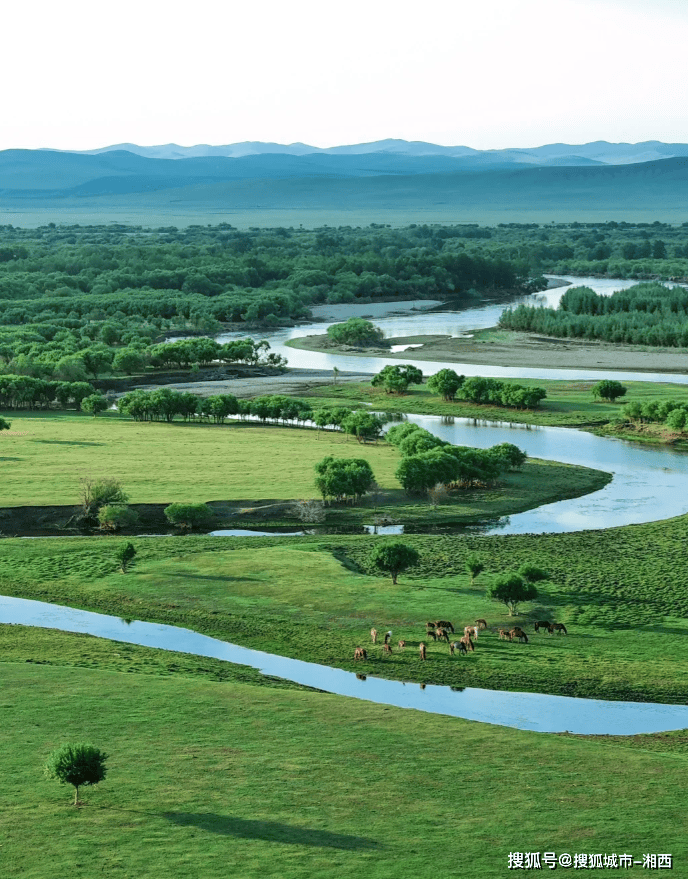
x=439, y=630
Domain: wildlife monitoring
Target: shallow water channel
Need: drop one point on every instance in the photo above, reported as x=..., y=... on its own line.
x=531, y=711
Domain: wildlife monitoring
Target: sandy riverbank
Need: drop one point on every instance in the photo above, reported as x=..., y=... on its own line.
x=503, y=348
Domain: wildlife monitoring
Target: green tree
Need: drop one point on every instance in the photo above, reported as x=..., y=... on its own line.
x=94, y=404
x=445, y=382
x=98, y=492
x=393, y=558
x=474, y=566
x=129, y=361
x=114, y=516
x=188, y=516
x=532, y=574
x=4, y=424
x=365, y=426
x=396, y=379
x=125, y=553
x=97, y=359
x=355, y=331
x=608, y=390
x=342, y=478
x=511, y=589
x=79, y=764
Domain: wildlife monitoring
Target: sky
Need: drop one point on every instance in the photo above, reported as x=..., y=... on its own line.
x=488, y=74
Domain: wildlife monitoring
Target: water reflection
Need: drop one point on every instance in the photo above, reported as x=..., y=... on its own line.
x=522, y=710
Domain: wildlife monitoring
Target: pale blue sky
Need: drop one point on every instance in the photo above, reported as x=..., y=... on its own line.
x=485, y=73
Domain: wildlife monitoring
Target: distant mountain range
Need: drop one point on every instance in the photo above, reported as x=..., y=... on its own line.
x=552, y=154
x=389, y=175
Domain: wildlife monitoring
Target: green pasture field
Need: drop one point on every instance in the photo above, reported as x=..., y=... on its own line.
x=213, y=779
x=568, y=403
x=44, y=456
x=621, y=594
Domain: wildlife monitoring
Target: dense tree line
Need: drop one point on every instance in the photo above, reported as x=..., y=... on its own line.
x=428, y=460
x=646, y=314
x=670, y=412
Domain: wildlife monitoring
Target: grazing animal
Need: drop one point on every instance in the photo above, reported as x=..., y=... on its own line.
x=444, y=624
x=360, y=653
x=430, y=626
x=458, y=645
x=544, y=624
x=504, y=634
x=373, y=635
x=481, y=624
x=471, y=630
x=402, y=644
x=431, y=634
x=517, y=632
x=441, y=635
x=387, y=647
x=423, y=654
x=559, y=628
x=388, y=635
x=468, y=644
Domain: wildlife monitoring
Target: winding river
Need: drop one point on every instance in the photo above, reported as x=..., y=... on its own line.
x=649, y=483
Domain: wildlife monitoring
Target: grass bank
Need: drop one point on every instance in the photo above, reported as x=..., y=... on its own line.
x=620, y=593
x=208, y=779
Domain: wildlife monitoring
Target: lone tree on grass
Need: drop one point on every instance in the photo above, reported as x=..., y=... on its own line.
x=511, y=589
x=78, y=764
x=125, y=554
x=608, y=390
x=393, y=558
x=5, y=425
x=474, y=566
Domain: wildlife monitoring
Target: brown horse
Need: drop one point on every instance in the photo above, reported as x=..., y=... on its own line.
x=431, y=634
x=505, y=634
x=544, y=624
x=481, y=624
x=387, y=647
x=373, y=635
x=471, y=630
x=402, y=644
x=423, y=653
x=559, y=628
x=468, y=644
x=517, y=632
x=360, y=653
x=444, y=624
x=431, y=625
x=441, y=635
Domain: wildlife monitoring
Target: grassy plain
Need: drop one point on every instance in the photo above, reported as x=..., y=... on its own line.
x=210, y=779
x=44, y=456
x=619, y=592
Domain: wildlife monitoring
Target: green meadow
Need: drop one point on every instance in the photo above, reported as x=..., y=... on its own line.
x=213, y=779
x=44, y=456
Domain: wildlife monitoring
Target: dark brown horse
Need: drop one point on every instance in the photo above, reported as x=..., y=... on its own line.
x=442, y=635
x=559, y=628
x=517, y=632
x=544, y=624
x=481, y=624
x=444, y=624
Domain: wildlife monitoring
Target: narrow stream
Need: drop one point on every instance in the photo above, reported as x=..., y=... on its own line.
x=532, y=711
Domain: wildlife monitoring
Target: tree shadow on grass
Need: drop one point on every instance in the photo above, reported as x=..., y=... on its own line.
x=48, y=442
x=270, y=831
x=224, y=579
